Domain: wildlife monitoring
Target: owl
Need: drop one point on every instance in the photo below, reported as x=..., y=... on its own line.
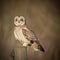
x=26, y=36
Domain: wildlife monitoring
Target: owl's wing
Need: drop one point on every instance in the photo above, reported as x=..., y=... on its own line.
x=29, y=35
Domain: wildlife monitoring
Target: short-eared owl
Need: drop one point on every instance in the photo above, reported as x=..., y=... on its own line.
x=25, y=35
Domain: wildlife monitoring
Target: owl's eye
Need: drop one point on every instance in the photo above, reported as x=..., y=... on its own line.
x=16, y=19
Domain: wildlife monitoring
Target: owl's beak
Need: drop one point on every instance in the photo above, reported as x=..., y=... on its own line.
x=18, y=21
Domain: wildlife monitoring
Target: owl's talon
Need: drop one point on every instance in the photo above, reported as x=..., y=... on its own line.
x=25, y=44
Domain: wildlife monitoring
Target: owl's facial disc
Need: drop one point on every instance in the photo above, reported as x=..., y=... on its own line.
x=19, y=21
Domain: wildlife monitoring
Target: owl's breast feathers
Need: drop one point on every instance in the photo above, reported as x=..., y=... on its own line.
x=19, y=35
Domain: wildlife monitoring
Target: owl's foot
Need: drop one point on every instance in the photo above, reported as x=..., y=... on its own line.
x=25, y=44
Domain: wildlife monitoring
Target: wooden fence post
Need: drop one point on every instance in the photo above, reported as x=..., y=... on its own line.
x=19, y=53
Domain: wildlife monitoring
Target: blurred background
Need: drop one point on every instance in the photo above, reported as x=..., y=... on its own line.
x=42, y=16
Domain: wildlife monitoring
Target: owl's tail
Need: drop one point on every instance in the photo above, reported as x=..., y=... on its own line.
x=41, y=48
x=38, y=47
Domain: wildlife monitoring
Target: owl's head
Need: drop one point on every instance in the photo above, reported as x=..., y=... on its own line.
x=19, y=21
